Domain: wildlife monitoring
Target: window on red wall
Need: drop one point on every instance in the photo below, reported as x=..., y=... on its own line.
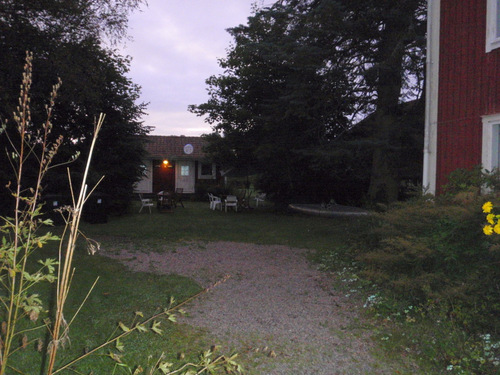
x=493, y=25
x=491, y=142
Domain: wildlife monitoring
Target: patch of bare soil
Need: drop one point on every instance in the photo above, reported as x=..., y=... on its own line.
x=275, y=308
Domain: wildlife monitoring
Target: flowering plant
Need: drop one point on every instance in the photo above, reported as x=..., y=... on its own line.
x=492, y=219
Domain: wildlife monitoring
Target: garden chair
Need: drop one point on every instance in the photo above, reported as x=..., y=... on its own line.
x=231, y=201
x=214, y=201
x=146, y=202
x=261, y=197
x=177, y=198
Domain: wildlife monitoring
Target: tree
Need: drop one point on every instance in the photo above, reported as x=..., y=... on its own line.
x=390, y=39
x=280, y=96
x=66, y=39
x=304, y=72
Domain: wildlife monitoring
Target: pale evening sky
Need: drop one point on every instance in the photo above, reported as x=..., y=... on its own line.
x=175, y=48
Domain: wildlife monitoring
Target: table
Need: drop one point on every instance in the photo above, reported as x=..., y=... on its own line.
x=165, y=200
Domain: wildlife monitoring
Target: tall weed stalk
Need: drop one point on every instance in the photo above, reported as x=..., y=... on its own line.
x=21, y=238
x=60, y=328
x=20, y=232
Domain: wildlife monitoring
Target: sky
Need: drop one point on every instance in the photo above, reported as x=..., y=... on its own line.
x=175, y=47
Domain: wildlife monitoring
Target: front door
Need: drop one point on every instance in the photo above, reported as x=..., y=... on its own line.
x=184, y=176
x=163, y=176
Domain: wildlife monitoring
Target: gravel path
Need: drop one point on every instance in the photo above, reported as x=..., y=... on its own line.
x=274, y=307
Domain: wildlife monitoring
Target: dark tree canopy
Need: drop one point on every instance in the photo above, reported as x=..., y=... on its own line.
x=280, y=97
x=302, y=73
x=66, y=39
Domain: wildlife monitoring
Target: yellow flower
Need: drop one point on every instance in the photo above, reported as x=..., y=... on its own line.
x=487, y=207
x=488, y=230
x=496, y=229
x=490, y=218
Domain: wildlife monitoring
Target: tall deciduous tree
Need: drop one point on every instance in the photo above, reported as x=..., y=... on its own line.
x=66, y=38
x=303, y=72
x=281, y=95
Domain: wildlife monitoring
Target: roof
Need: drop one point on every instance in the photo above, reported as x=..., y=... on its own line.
x=174, y=147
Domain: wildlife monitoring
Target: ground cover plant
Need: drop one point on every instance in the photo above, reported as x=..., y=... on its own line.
x=431, y=277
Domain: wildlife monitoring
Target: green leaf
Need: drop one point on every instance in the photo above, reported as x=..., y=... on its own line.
x=165, y=367
x=123, y=327
x=172, y=318
x=156, y=328
x=119, y=346
x=50, y=263
x=115, y=357
x=141, y=328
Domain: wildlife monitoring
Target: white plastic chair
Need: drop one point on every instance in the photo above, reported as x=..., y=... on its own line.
x=261, y=197
x=146, y=202
x=214, y=201
x=231, y=201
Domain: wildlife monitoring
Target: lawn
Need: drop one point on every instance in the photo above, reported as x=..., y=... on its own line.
x=119, y=293
x=196, y=222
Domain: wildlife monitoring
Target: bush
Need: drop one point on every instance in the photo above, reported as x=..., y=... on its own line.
x=435, y=251
x=471, y=180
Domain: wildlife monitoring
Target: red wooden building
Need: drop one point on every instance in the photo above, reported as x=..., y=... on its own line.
x=463, y=88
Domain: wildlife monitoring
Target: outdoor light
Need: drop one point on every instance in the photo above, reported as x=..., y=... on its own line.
x=165, y=162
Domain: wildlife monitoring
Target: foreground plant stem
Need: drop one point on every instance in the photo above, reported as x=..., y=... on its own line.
x=24, y=218
x=166, y=312
x=59, y=329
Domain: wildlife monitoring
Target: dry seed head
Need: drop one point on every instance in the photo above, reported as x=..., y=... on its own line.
x=39, y=345
x=34, y=313
x=24, y=342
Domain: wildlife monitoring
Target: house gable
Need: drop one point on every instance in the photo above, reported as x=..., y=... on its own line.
x=175, y=162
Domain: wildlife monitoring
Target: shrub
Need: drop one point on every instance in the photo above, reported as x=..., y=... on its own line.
x=471, y=180
x=435, y=251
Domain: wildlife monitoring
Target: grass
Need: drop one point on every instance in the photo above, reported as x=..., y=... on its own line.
x=120, y=293
x=196, y=222
x=399, y=338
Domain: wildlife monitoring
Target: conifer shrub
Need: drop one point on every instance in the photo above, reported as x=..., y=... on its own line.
x=428, y=252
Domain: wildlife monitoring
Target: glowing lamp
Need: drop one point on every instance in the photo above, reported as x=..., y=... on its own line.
x=165, y=163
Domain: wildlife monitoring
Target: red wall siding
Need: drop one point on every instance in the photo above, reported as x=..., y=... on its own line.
x=469, y=85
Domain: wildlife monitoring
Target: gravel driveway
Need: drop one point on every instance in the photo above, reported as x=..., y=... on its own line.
x=275, y=308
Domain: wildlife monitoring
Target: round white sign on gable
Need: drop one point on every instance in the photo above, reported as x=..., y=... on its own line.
x=188, y=149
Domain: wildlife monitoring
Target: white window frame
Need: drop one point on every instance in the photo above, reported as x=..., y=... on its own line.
x=185, y=172
x=492, y=25
x=491, y=136
x=210, y=176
